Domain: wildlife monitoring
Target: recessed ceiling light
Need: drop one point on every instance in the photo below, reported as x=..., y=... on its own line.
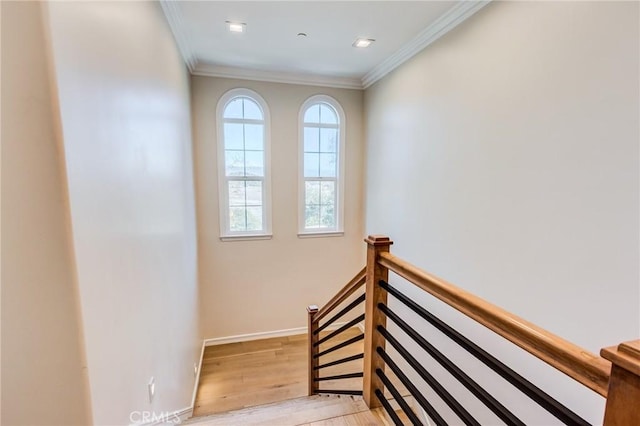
x=363, y=42
x=236, y=27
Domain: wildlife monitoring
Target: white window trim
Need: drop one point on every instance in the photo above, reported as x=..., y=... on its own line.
x=340, y=173
x=223, y=197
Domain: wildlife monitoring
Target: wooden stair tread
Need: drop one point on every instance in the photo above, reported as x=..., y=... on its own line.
x=363, y=418
x=313, y=410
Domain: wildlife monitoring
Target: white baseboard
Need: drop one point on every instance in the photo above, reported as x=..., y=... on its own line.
x=185, y=413
x=254, y=336
x=197, y=381
x=263, y=335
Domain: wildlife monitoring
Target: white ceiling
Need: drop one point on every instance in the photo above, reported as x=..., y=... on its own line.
x=270, y=46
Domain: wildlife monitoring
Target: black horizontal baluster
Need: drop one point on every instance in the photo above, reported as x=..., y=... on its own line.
x=455, y=406
x=554, y=407
x=340, y=376
x=341, y=345
x=341, y=392
x=388, y=408
x=340, y=361
x=496, y=407
x=340, y=330
x=396, y=395
x=346, y=309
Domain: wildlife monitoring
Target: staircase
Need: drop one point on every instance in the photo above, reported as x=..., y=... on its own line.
x=390, y=354
x=313, y=410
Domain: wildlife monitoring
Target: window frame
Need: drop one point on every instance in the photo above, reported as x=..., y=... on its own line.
x=226, y=234
x=338, y=230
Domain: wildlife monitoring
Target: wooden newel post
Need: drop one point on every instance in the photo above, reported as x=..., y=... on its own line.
x=374, y=317
x=623, y=399
x=313, y=349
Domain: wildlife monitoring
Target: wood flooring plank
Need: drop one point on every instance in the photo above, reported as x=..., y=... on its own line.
x=245, y=374
x=364, y=418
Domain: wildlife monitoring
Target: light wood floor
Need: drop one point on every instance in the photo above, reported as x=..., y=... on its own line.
x=317, y=410
x=247, y=374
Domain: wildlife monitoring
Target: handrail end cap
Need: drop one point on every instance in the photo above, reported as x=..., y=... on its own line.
x=378, y=240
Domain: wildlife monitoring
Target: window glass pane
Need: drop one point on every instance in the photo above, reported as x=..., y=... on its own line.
x=254, y=218
x=236, y=194
x=327, y=115
x=311, y=139
x=311, y=165
x=254, y=136
x=254, y=163
x=328, y=140
x=312, y=216
x=327, y=217
x=327, y=165
x=312, y=114
x=321, y=148
x=233, y=136
x=234, y=163
x=233, y=109
x=254, y=193
x=252, y=110
x=244, y=144
x=237, y=219
x=312, y=192
x=328, y=193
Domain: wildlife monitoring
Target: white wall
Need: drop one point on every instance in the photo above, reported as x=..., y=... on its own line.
x=504, y=158
x=259, y=286
x=124, y=100
x=43, y=366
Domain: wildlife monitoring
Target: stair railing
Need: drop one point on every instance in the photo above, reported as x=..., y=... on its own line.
x=614, y=375
x=316, y=315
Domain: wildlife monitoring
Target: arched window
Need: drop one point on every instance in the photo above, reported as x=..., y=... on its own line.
x=322, y=163
x=243, y=165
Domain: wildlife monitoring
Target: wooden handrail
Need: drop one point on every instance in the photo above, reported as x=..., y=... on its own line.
x=346, y=291
x=587, y=368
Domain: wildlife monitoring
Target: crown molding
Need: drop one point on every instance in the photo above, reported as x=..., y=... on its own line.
x=180, y=33
x=452, y=18
x=210, y=70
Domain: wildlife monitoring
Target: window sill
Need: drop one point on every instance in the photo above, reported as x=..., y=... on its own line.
x=320, y=234
x=246, y=237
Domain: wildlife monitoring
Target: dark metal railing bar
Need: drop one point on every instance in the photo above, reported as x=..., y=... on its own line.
x=396, y=395
x=388, y=408
x=547, y=402
x=496, y=407
x=340, y=330
x=341, y=392
x=340, y=376
x=455, y=406
x=346, y=309
x=340, y=361
x=341, y=345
